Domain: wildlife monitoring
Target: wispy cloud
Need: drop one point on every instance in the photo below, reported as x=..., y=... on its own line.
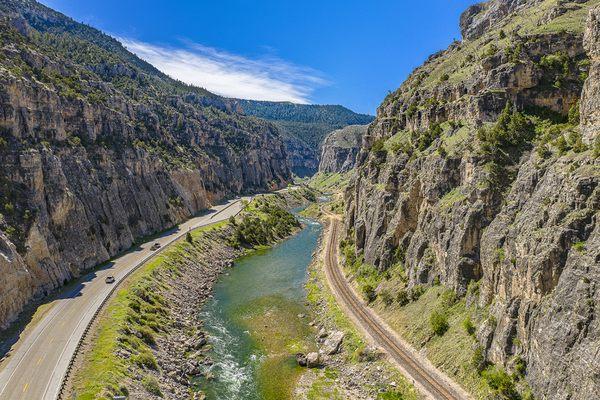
x=231, y=75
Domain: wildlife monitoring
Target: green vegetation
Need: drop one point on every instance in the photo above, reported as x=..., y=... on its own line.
x=500, y=382
x=438, y=322
x=263, y=223
x=151, y=385
x=452, y=197
x=317, y=293
x=330, y=182
x=434, y=318
x=308, y=123
x=579, y=247
x=325, y=385
x=367, y=277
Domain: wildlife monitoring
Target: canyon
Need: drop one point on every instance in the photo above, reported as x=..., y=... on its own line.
x=476, y=187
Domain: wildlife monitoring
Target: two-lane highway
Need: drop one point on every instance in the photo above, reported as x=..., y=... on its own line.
x=39, y=360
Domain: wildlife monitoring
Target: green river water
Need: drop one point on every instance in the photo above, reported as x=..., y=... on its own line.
x=254, y=325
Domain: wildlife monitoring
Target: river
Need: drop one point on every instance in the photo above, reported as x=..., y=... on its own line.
x=257, y=321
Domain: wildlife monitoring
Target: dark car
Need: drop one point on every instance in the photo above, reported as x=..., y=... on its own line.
x=155, y=246
x=109, y=279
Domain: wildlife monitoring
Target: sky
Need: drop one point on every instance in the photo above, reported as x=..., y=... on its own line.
x=346, y=52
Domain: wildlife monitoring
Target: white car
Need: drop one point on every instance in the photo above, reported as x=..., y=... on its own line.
x=109, y=279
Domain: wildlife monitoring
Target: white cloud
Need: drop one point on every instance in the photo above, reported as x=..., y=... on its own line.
x=231, y=75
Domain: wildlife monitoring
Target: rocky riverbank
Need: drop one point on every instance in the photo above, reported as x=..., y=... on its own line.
x=149, y=341
x=346, y=366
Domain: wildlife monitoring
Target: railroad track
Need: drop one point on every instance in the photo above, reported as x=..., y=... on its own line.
x=435, y=386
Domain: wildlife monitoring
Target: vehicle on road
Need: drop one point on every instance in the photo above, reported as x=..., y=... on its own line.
x=155, y=246
x=109, y=279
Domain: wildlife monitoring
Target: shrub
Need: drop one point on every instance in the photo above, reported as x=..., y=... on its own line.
x=520, y=366
x=151, y=385
x=576, y=142
x=478, y=359
x=411, y=110
x=378, y=147
x=473, y=288
x=574, y=114
x=442, y=151
x=365, y=354
x=369, y=292
x=469, y=326
x=402, y=297
x=188, y=237
x=490, y=51
x=448, y=298
x=579, y=247
x=386, y=297
x=500, y=382
x=3, y=143
x=416, y=292
x=444, y=78
x=512, y=129
x=74, y=141
x=426, y=138
x=9, y=208
x=145, y=359
x=561, y=145
x=543, y=151
x=390, y=396
x=438, y=322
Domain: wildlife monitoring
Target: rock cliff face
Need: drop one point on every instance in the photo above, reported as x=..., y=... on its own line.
x=98, y=149
x=339, y=150
x=478, y=171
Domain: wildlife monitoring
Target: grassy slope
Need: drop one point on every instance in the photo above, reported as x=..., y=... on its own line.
x=330, y=182
x=325, y=386
x=454, y=351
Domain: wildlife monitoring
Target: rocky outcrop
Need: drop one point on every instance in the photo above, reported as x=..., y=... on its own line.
x=590, y=100
x=15, y=280
x=339, y=150
x=304, y=127
x=97, y=153
x=303, y=160
x=481, y=17
x=464, y=193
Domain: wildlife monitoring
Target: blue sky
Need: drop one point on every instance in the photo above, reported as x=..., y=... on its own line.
x=327, y=52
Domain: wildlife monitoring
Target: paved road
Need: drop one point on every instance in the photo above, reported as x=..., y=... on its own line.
x=39, y=360
x=428, y=380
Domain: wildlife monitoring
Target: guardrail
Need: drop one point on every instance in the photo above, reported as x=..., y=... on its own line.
x=65, y=378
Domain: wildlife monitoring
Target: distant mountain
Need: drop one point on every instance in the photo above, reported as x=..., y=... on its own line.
x=304, y=127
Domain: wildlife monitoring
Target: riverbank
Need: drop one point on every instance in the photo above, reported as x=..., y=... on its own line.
x=257, y=321
x=358, y=370
x=148, y=341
